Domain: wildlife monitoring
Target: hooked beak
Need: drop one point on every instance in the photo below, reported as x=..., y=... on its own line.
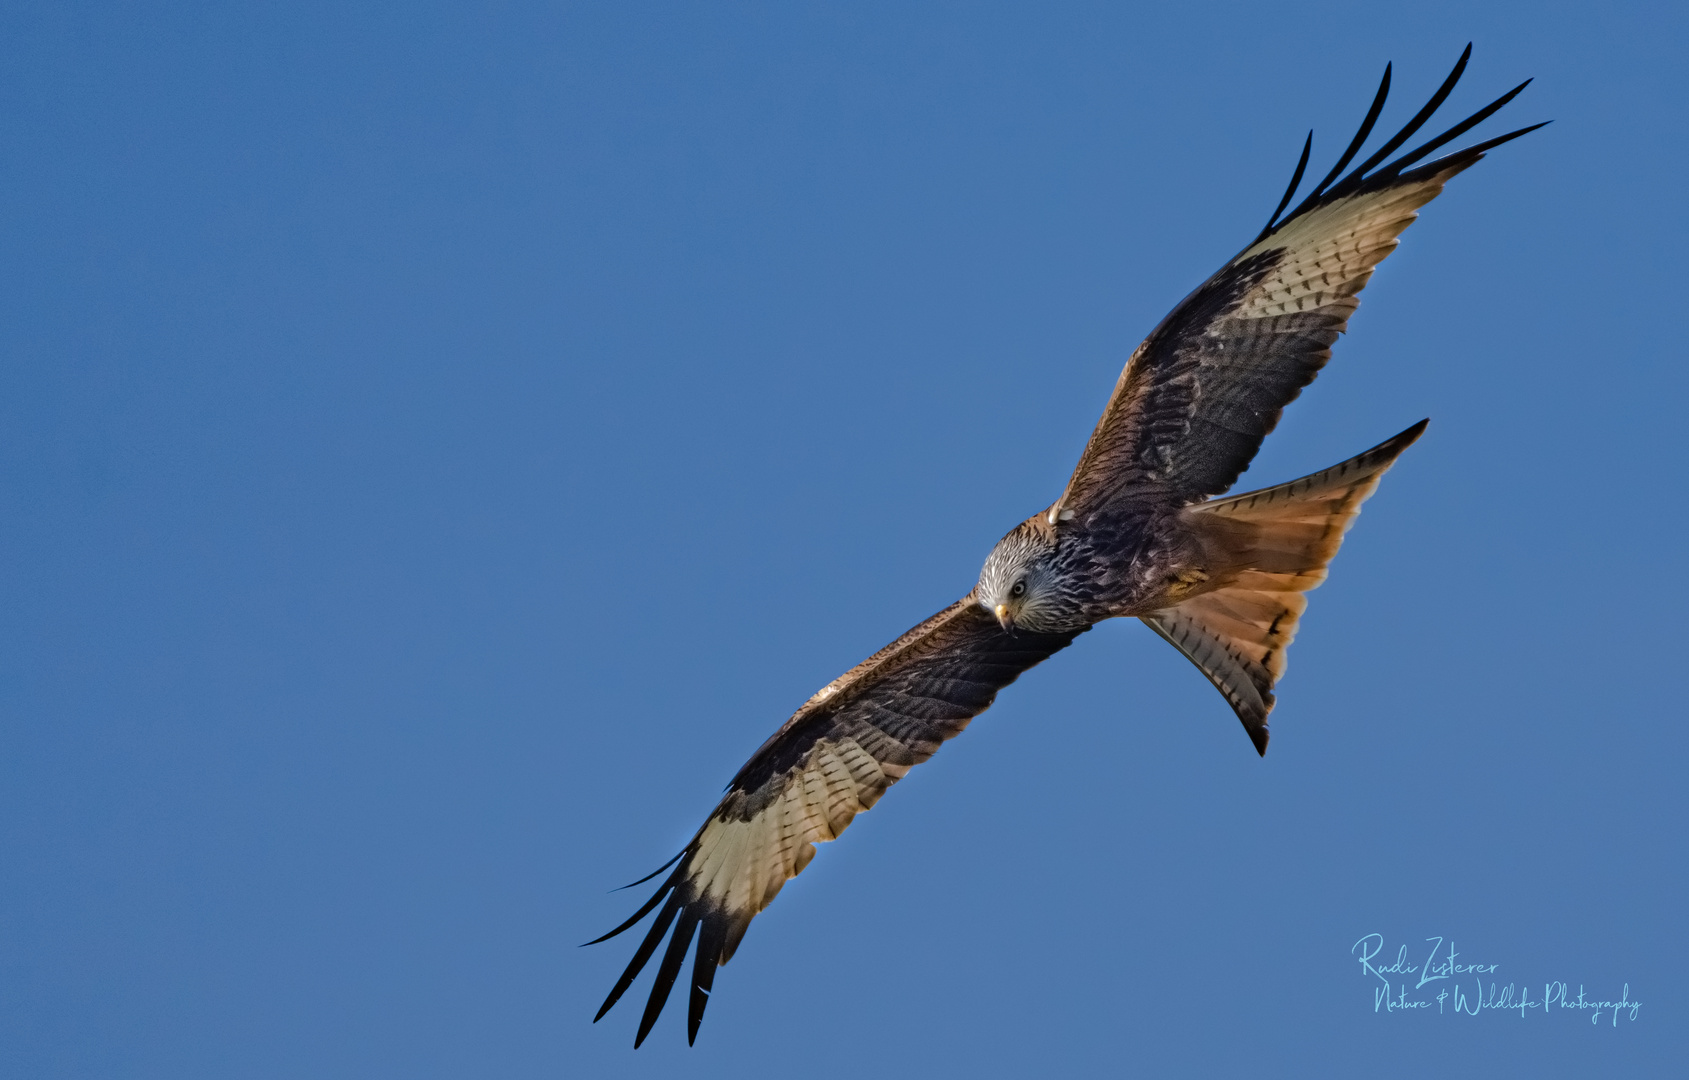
x=1004, y=619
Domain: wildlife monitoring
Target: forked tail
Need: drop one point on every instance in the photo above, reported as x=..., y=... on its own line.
x=1286, y=537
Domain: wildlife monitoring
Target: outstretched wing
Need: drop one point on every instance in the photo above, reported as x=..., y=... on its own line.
x=833, y=759
x=1208, y=384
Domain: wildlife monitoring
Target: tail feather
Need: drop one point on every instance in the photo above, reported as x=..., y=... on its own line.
x=1285, y=538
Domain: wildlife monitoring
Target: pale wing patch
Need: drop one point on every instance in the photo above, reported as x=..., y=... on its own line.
x=741, y=865
x=1330, y=251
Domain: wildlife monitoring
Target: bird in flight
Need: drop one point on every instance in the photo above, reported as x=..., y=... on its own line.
x=1140, y=531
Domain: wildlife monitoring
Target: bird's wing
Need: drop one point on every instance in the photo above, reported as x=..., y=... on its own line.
x=833, y=759
x=1208, y=384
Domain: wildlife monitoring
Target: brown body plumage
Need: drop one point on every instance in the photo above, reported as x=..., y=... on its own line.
x=1138, y=531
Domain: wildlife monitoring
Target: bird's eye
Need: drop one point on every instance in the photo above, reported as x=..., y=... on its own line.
x=1019, y=589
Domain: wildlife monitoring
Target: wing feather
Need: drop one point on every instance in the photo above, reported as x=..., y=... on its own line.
x=834, y=759
x=1198, y=396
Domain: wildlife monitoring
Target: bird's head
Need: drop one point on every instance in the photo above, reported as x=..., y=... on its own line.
x=1018, y=582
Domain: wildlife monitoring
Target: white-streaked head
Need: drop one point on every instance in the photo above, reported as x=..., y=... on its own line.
x=1016, y=585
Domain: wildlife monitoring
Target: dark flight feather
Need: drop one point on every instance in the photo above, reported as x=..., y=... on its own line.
x=646, y=947
x=666, y=972
x=1358, y=141
x=646, y=878
x=711, y=938
x=1419, y=118
x=1394, y=169
x=1295, y=181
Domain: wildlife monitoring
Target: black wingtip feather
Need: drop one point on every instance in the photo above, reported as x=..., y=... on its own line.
x=1415, y=124
x=1363, y=175
x=685, y=916
x=1355, y=143
x=644, y=910
x=1395, y=167
x=1290, y=192
x=666, y=974
x=710, y=940
x=643, y=955
x=653, y=873
x=1473, y=153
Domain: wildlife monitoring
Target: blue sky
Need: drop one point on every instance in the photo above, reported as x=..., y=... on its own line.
x=439, y=444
